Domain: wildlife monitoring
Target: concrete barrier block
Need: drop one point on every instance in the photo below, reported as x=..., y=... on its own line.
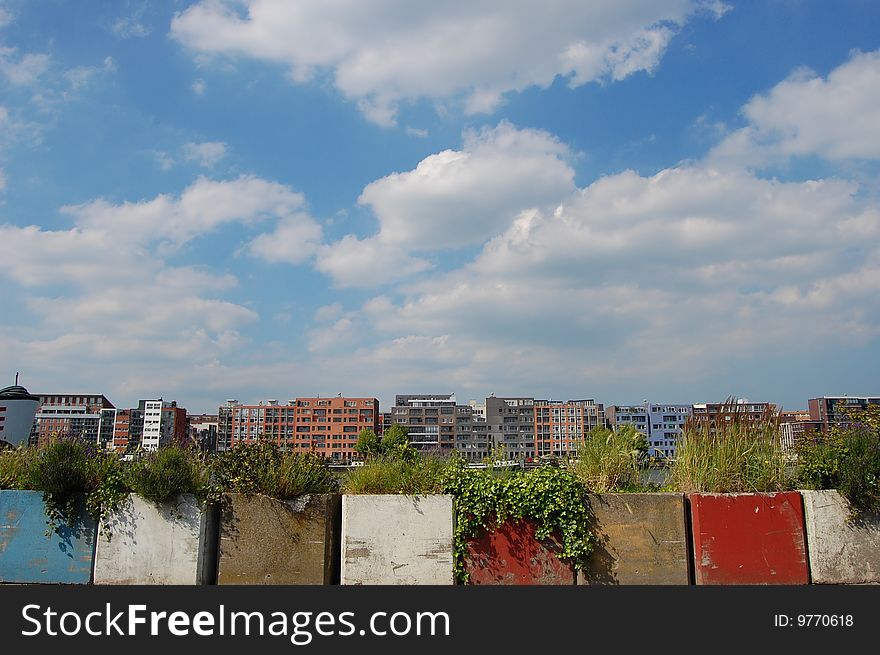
x=642, y=539
x=841, y=551
x=269, y=541
x=170, y=544
x=749, y=538
x=397, y=540
x=29, y=556
x=512, y=555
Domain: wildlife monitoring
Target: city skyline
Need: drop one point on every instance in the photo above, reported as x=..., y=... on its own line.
x=675, y=201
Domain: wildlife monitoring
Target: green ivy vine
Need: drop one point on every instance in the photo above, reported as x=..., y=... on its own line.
x=553, y=498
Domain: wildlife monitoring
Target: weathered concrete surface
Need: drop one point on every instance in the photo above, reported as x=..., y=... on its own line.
x=749, y=539
x=397, y=540
x=170, y=544
x=841, y=551
x=268, y=541
x=511, y=555
x=29, y=556
x=642, y=540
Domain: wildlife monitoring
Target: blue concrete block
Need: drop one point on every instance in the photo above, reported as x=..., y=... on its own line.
x=29, y=556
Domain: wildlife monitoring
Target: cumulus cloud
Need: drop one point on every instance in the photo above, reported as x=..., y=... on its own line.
x=452, y=199
x=294, y=240
x=461, y=197
x=104, y=290
x=22, y=70
x=207, y=154
x=835, y=117
x=203, y=206
x=634, y=277
x=460, y=49
x=199, y=87
x=353, y=262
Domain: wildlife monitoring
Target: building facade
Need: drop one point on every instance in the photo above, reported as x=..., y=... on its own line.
x=829, y=411
x=430, y=420
x=86, y=416
x=18, y=408
x=661, y=423
x=562, y=425
x=326, y=426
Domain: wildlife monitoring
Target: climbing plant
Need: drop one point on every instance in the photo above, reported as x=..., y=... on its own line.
x=553, y=498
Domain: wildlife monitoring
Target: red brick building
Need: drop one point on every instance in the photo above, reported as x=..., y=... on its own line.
x=326, y=426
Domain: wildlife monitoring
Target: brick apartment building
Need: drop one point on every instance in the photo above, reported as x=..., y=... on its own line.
x=86, y=416
x=326, y=426
x=829, y=411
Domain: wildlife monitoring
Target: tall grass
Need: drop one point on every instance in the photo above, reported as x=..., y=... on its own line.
x=611, y=460
x=732, y=454
x=14, y=466
x=392, y=475
x=264, y=468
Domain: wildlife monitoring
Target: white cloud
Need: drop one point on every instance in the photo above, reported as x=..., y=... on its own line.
x=199, y=87
x=101, y=290
x=79, y=76
x=5, y=17
x=206, y=154
x=24, y=70
x=295, y=239
x=353, y=262
x=382, y=56
x=128, y=27
x=837, y=117
x=634, y=278
x=462, y=197
x=166, y=162
x=203, y=206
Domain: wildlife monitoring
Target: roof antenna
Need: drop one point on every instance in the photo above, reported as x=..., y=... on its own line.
x=16, y=378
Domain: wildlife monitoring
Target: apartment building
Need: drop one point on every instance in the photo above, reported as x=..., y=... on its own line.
x=87, y=416
x=202, y=431
x=431, y=420
x=561, y=425
x=149, y=426
x=751, y=412
x=828, y=411
x=326, y=426
x=661, y=423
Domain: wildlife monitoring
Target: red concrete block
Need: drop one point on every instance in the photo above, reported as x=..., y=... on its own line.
x=511, y=555
x=745, y=539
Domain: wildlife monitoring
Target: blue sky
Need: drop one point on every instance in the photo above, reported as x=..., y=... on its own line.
x=674, y=200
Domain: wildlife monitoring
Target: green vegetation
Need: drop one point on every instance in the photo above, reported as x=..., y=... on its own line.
x=69, y=472
x=846, y=459
x=262, y=467
x=611, y=460
x=160, y=476
x=731, y=454
x=393, y=466
x=553, y=498
x=393, y=443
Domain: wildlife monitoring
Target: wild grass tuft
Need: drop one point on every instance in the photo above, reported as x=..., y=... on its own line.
x=392, y=475
x=610, y=460
x=734, y=453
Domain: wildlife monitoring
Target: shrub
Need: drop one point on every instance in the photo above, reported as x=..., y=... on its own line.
x=610, y=460
x=161, y=475
x=846, y=459
x=732, y=454
x=262, y=467
x=69, y=470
